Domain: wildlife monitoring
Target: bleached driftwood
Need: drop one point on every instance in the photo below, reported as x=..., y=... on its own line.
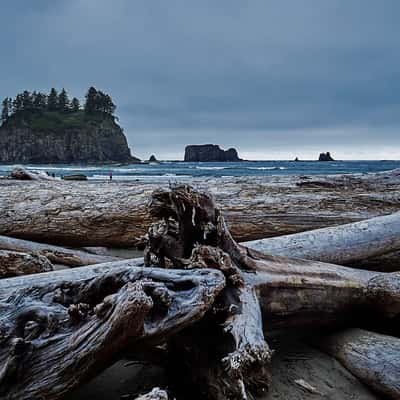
x=56, y=254
x=226, y=355
x=115, y=214
x=13, y=263
x=155, y=394
x=60, y=328
x=22, y=173
x=373, y=358
x=344, y=244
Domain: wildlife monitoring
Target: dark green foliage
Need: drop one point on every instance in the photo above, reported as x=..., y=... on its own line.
x=97, y=101
x=6, y=109
x=63, y=101
x=57, y=108
x=52, y=100
x=75, y=105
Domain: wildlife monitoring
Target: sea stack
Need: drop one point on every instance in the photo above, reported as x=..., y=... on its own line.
x=210, y=153
x=325, y=157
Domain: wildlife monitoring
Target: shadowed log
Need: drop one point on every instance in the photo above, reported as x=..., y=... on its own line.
x=371, y=357
x=343, y=244
x=115, y=215
x=69, y=325
x=56, y=254
x=155, y=394
x=14, y=263
x=262, y=293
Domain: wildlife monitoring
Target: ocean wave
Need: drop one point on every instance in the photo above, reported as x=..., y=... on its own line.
x=212, y=168
x=266, y=168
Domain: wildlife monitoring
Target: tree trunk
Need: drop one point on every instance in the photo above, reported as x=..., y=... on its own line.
x=371, y=357
x=58, y=329
x=226, y=355
x=345, y=244
x=115, y=215
x=14, y=263
x=56, y=254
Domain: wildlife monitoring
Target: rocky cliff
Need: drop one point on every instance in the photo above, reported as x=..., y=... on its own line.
x=54, y=137
x=210, y=152
x=325, y=157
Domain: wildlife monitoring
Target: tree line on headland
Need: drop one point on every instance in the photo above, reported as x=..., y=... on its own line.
x=95, y=101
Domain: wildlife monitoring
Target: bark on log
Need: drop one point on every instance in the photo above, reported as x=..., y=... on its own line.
x=155, y=394
x=14, y=263
x=115, y=215
x=345, y=244
x=56, y=254
x=371, y=357
x=60, y=331
x=262, y=293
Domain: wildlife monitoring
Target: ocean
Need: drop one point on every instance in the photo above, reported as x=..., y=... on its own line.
x=170, y=170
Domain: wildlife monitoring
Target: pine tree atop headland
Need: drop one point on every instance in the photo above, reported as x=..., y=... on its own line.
x=97, y=102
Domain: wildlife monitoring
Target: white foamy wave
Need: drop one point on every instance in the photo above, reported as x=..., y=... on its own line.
x=212, y=168
x=266, y=168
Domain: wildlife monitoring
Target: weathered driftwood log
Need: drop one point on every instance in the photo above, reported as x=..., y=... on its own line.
x=59, y=332
x=13, y=263
x=344, y=244
x=115, y=215
x=226, y=354
x=56, y=254
x=373, y=358
x=155, y=394
x=22, y=173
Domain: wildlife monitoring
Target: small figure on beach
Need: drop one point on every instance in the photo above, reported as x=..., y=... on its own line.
x=110, y=175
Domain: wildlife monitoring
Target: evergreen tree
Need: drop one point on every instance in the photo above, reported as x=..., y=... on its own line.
x=63, y=101
x=91, y=104
x=52, y=100
x=75, y=105
x=40, y=101
x=27, y=102
x=109, y=105
x=6, y=110
x=17, y=103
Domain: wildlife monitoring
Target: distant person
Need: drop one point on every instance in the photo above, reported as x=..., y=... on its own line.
x=110, y=175
x=53, y=175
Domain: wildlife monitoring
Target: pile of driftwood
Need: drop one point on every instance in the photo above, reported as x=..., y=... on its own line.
x=207, y=303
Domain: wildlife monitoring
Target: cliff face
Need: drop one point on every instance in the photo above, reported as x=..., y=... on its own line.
x=57, y=138
x=210, y=152
x=325, y=157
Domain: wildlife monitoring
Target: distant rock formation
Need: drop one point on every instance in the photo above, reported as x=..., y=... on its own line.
x=325, y=157
x=153, y=159
x=296, y=159
x=53, y=137
x=209, y=152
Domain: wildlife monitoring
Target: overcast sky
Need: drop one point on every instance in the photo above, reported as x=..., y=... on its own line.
x=275, y=79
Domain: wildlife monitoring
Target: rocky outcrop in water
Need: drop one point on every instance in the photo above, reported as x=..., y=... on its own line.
x=53, y=137
x=325, y=157
x=210, y=152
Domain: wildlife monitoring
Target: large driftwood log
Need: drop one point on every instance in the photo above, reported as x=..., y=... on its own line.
x=226, y=355
x=13, y=263
x=59, y=331
x=56, y=254
x=373, y=358
x=115, y=214
x=344, y=244
x=155, y=394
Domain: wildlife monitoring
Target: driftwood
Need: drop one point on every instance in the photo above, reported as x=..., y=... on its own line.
x=13, y=263
x=370, y=241
x=24, y=174
x=115, y=214
x=56, y=254
x=155, y=394
x=373, y=358
x=57, y=332
x=226, y=355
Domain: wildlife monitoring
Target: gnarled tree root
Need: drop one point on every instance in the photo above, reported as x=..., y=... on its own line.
x=57, y=334
x=371, y=357
x=226, y=354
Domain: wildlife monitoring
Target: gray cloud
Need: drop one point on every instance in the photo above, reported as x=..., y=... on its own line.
x=279, y=74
